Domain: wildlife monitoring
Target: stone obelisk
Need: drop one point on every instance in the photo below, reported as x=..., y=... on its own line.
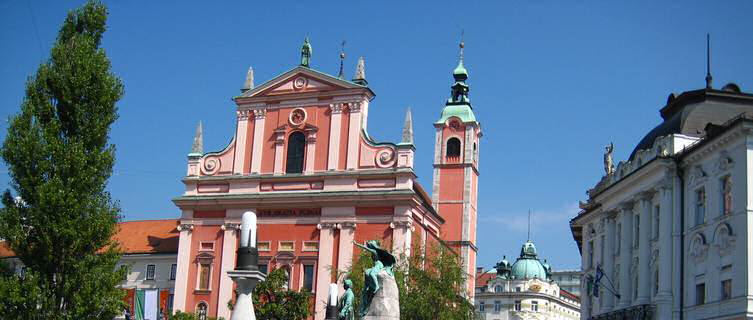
x=246, y=274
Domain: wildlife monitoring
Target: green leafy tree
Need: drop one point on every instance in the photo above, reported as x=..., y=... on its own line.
x=431, y=287
x=273, y=301
x=59, y=220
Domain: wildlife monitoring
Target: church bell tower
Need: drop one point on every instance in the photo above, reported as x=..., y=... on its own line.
x=455, y=186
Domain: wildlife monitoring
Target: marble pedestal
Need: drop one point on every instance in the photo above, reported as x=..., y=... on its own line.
x=246, y=281
x=386, y=302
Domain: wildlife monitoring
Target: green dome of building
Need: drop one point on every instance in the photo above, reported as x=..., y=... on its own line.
x=528, y=265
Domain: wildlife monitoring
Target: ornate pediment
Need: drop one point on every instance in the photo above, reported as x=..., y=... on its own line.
x=300, y=80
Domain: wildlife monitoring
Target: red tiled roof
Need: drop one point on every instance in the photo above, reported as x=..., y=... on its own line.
x=147, y=236
x=484, y=278
x=569, y=295
x=5, y=250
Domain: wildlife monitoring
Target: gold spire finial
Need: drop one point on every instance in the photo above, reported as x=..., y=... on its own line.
x=462, y=44
x=342, y=59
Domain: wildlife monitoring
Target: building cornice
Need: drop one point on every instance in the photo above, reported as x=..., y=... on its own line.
x=298, y=177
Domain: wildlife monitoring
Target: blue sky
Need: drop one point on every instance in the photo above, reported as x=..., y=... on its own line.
x=551, y=81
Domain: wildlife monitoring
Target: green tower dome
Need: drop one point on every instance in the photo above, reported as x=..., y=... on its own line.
x=528, y=265
x=460, y=71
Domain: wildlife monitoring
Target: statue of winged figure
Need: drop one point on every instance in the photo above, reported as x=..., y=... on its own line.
x=383, y=260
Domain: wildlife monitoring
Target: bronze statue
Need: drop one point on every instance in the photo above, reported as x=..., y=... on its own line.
x=306, y=52
x=383, y=260
x=345, y=305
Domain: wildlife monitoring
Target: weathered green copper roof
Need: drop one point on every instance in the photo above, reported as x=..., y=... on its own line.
x=528, y=269
x=460, y=70
x=528, y=265
x=463, y=111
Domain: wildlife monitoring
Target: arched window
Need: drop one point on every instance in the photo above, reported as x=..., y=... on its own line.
x=498, y=289
x=453, y=147
x=201, y=310
x=296, y=149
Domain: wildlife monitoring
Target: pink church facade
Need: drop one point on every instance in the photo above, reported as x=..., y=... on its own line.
x=301, y=159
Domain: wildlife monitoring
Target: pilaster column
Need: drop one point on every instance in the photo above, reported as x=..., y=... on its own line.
x=240, y=141
x=310, y=151
x=335, y=127
x=184, y=255
x=259, y=119
x=664, y=296
x=345, y=247
x=401, y=237
x=323, y=267
x=354, y=135
x=279, y=151
x=229, y=240
x=608, y=264
x=626, y=253
x=644, y=252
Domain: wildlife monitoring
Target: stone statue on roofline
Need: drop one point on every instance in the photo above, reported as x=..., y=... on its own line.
x=380, y=297
x=608, y=161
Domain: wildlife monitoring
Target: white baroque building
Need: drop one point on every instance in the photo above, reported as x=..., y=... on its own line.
x=523, y=290
x=671, y=226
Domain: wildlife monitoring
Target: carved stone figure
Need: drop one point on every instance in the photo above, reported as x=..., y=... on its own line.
x=379, y=299
x=608, y=161
x=345, y=305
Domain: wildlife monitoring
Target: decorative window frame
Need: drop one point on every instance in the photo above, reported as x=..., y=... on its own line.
x=698, y=247
x=173, y=275
x=196, y=309
x=286, y=147
x=264, y=246
x=280, y=248
x=446, y=144
x=204, y=258
x=721, y=182
x=724, y=239
x=304, y=248
x=202, y=243
x=154, y=274
x=302, y=273
x=694, y=205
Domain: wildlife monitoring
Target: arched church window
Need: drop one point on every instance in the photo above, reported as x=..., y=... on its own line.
x=453, y=147
x=201, y=310
x=296, y=148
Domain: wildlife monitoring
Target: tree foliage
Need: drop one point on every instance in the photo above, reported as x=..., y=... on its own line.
x=59, y=220
x=274, y=301
x=431, y=286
